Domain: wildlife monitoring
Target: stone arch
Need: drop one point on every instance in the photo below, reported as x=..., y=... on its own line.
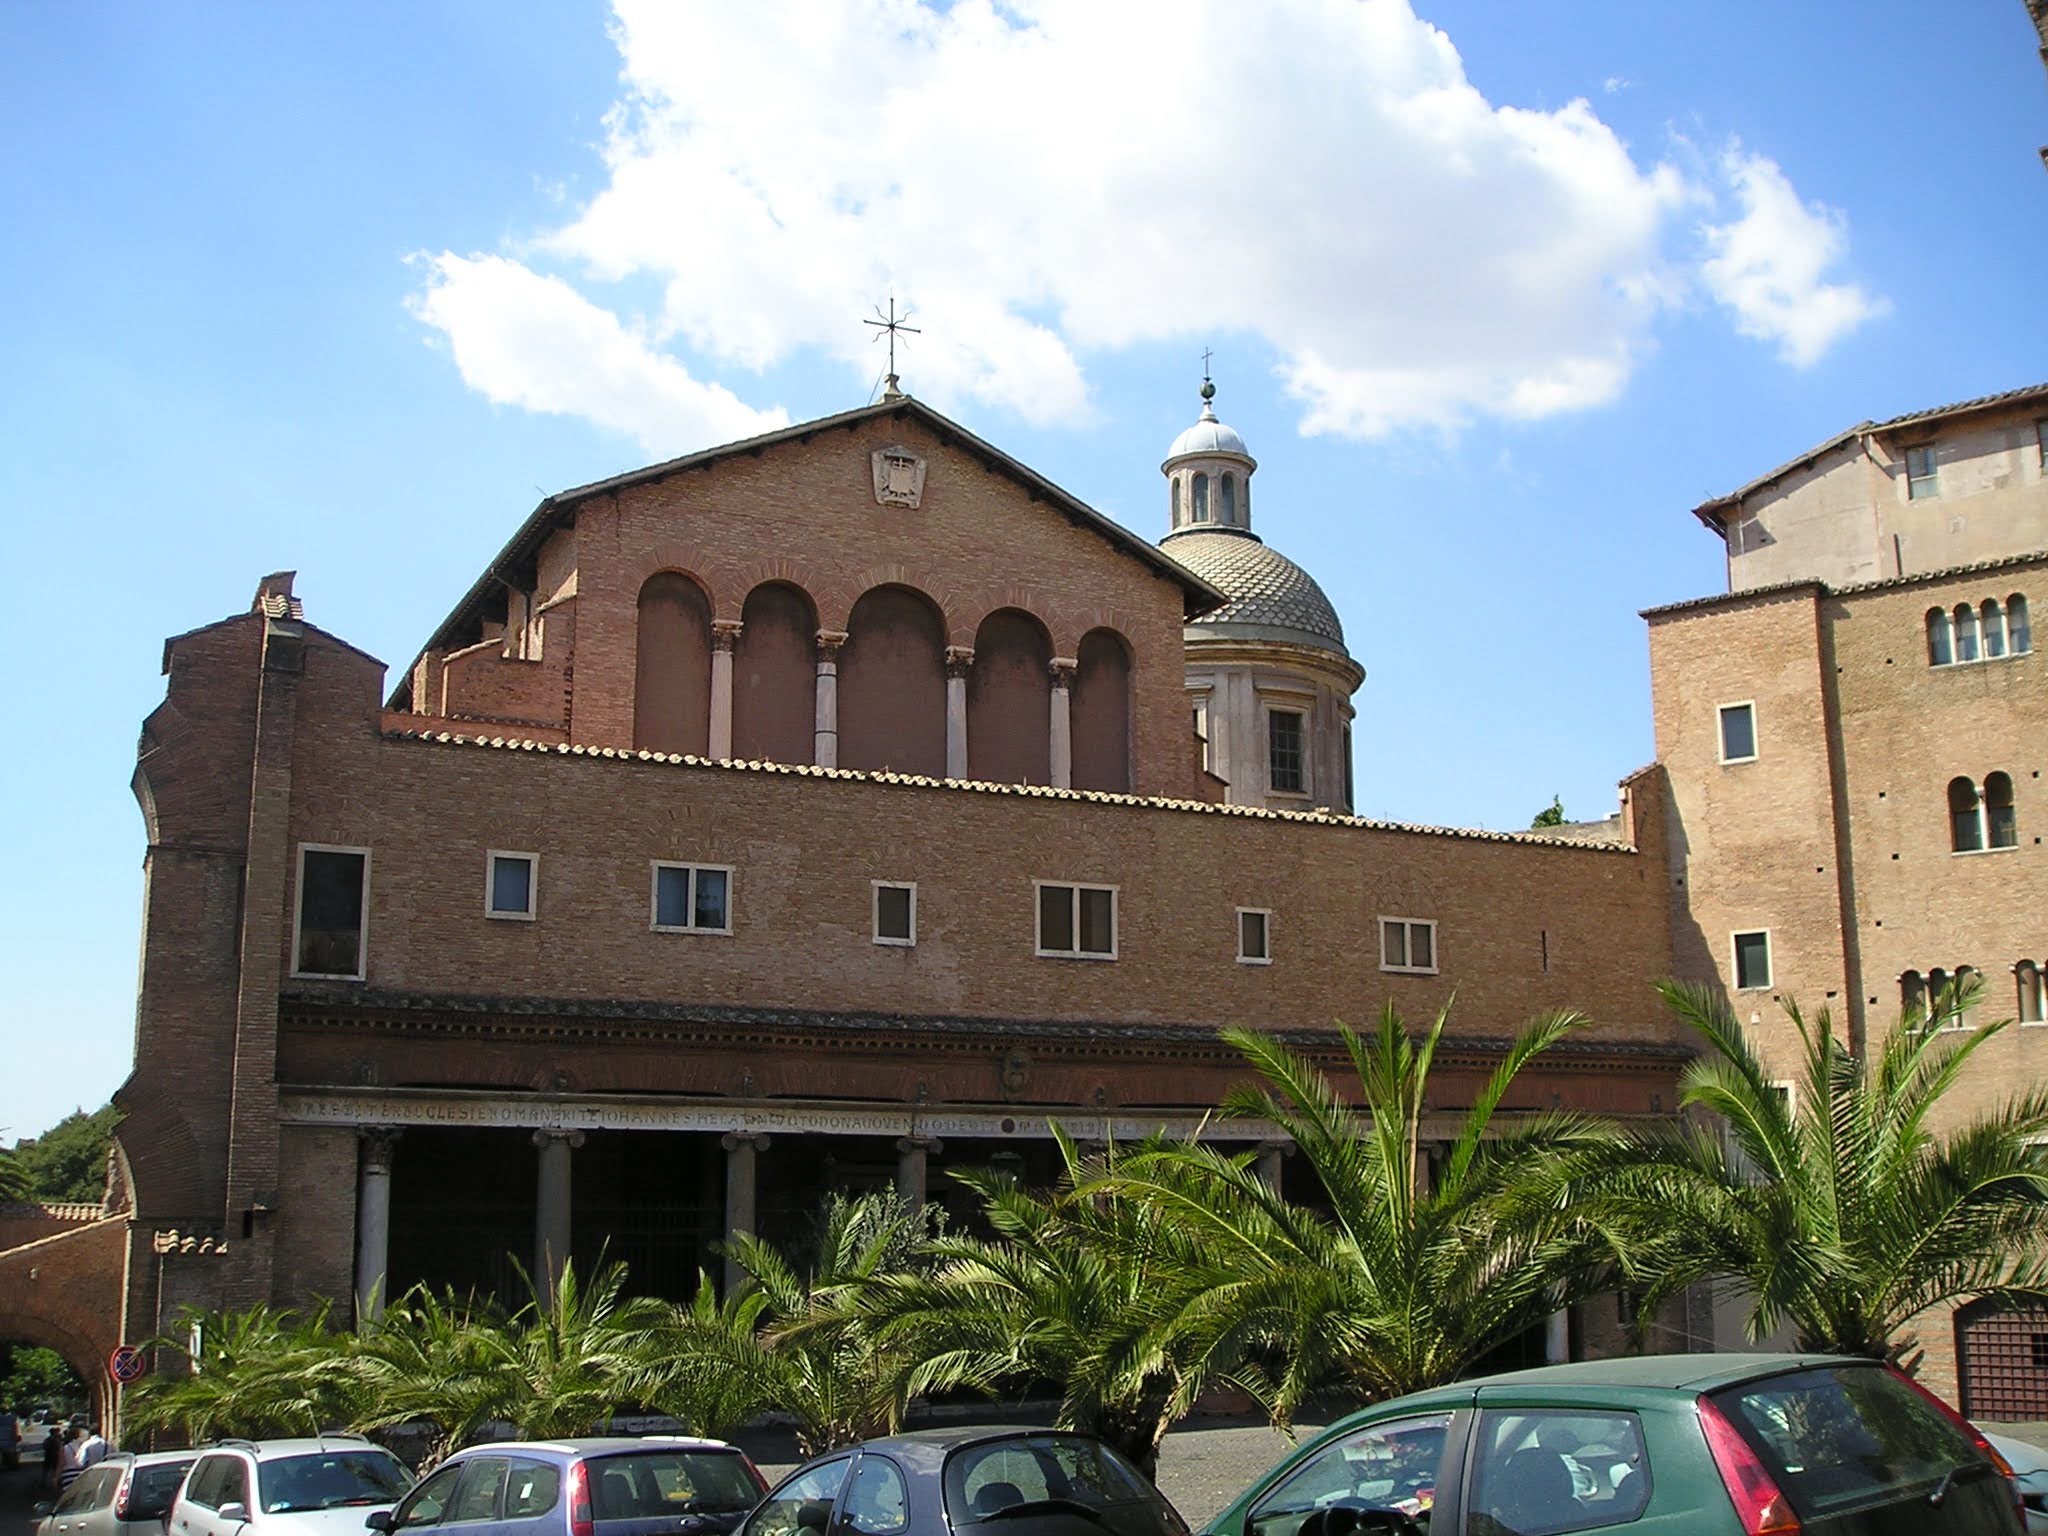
x=64, y=1292
x=1009, y=700
x=1101, y=710
x=775, y=676
x=892, y=683
x=672, y=666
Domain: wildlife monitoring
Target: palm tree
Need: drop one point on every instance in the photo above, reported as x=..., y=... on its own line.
x=712, y=1366
x=1417, y=1268
x=1837, y=1205
x=1082, y=1287
x=264, y=1371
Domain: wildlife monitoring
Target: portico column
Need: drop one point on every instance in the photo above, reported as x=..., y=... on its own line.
x=1557, y=1338
x=373, y=1218
x=725, y=634
x=741, y=1149
x=825, y=748
x=551, y=1209
x=1268, y=1165
x=912, y=1154
x=1063, y=721
x=959, y=662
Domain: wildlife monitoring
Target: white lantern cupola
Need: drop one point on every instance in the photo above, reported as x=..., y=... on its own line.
x=1208, y=475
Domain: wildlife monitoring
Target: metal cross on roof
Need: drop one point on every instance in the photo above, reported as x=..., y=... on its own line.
x=892, y=323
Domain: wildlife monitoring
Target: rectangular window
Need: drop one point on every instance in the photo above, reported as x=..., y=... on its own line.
x=895, y=912
x=332, y=911
x=1077, y=921
x=1738, y=733
x=1752, y=961
x=1922, y=479
x=1254, y=936
x=1284, y=772
x=692, y=898
x=1408, y=944
x=509, y=886
x=2041, y=438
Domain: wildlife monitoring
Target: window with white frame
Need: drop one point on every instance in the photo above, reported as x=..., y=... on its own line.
x=2033, y=995
x=1752, y=960
x=1408, y=944
x=1076, y=922
x=1286, y=764
x=895, y=911
x=1993, y=630
x=1254, y=936
x=511, y=885
x=1738, y=733
x=692, y=898
x=1923, y=478
x=331, y=917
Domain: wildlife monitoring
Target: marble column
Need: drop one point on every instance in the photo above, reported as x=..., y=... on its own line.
x=373, y=1218
x=912, y=1166
x=1268, y=1164
x=742, y=1149
x=1557, y=1337
x=825, y=749
x=1063, y=721
x=552, y=1209
x=725, y=635
x=959, y=662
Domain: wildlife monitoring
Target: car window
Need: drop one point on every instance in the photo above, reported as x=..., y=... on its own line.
x=1836, y=1436
x=93, y=1490
x=1397, y=1464
x=984, y=1480
x=793, y=1505
x=640, y=1485
x=331, y=1480
x=877, y=1501
x=427, y=1503
x=477, y=1498
x=207, y=1477
x=531, y=1489
x=234, y=1484
x=1544, y=1471
x=153, y=1487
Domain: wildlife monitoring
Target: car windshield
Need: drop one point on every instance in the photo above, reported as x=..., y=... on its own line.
x=984, y=1481
x=1836, y=1437
x=648, y=1484
x=330, y=1479
x=152, y=1488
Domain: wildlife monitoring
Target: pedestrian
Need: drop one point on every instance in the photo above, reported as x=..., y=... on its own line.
x=53, y=1451
x=68, y=1464
x=92, y=1448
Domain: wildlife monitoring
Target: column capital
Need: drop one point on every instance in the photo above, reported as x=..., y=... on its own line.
x=829, y=642
x=751, y=1141
x=547, y=1138
x=378, y=1143
x=959, y=660
x=725, y=634
x=927, y=1144
x=1062, y=671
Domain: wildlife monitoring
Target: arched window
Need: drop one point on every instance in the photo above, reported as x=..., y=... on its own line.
x=2033, y=1007
x=775, y=677
x=1966, y=633
x=2001, y=824
x=1993, y=619
x=672, y=671
x=1173, y=494
x=1199, y=489
x=892, y=684
x=1230, y=501
x=1940, y=650
x=1939, y=998
x=1009, y=701
x=2018, y=637
x=1100, y=710
x=1965, y=817
x=1913, y=997
x=1960, y=1000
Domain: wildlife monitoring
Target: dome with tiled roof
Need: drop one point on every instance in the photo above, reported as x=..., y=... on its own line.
x=1265, y=588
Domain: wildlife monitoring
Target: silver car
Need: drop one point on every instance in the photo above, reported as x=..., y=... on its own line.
x=120, y=1495
x=323, y=1486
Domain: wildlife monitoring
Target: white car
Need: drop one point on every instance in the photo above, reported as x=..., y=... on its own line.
x=2029, y=1465
x=323, y=1486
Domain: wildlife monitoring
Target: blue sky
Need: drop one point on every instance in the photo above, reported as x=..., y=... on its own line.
x=1497, y=292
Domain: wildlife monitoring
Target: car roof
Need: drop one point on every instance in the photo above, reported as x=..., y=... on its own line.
x=1696, y=1373
x=928, y=1448
x=602, y=1445
x=156, y=1458
x=306, y=1445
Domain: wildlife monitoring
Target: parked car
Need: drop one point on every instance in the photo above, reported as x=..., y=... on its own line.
x=321, y=1486
x=1704, y=1445
x=1008, y=1481
x=2029, y=1465
x=611, y=1485
x=119, y=1495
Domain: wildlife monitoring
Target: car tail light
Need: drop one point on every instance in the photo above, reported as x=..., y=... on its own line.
x=1975, y=1436
x=121, y=1493
x=1759, y=1505
x=580, y=1522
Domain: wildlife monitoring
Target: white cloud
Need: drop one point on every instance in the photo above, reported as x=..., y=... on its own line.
x=532, y=341
x=1770, y=265
x=1049, y=179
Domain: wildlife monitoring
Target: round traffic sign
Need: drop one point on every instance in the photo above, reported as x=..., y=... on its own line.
x=126, y=1364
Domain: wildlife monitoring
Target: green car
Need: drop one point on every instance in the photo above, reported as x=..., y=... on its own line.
x=1661, y=1445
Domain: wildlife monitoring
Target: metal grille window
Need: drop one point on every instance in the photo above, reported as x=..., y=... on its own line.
x=692, y=898
x=1407, y=944
x=1285, y=773
x=1077, y=921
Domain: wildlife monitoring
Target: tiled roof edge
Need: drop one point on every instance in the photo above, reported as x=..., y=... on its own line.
x=1910, y=578
x=977, y=786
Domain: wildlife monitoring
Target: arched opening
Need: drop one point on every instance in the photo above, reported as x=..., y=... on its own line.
x=1173, y=499
x=1966, y=632
x=1009, y=701
x=1101, y=712
x=775, y=677
x=1966, y=827
x=2017, y=632
x=1940, y=648
x=672, y=674
x=2001, y=823
x=2031, y=998
x=1992, y=622
x=1913, y=998
x=1199, y=486
x=892, y=684
x=1229, y=501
